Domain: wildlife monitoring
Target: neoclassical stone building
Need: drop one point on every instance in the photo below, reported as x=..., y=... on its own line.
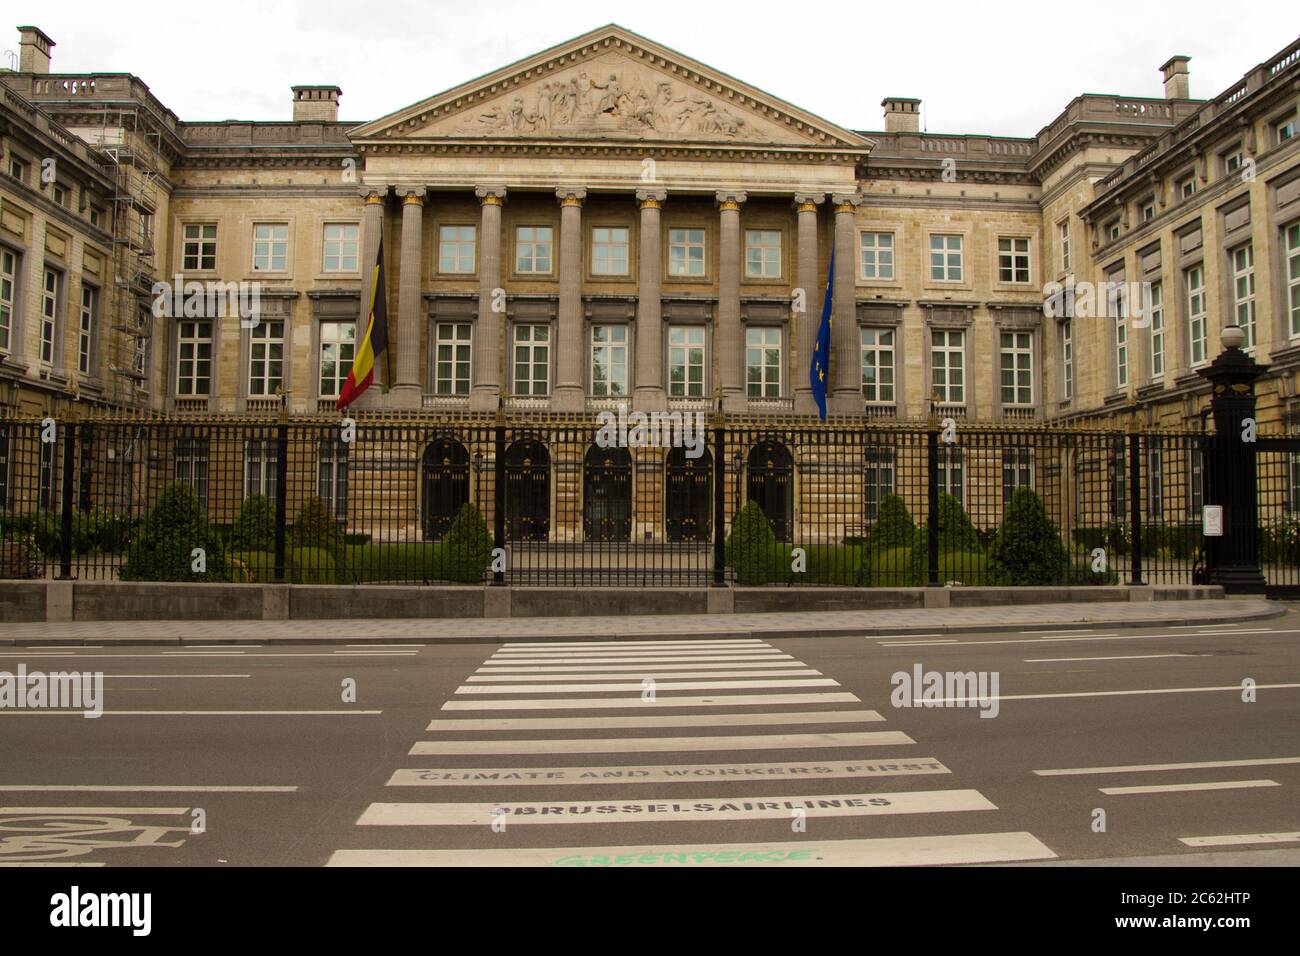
x=611, y=220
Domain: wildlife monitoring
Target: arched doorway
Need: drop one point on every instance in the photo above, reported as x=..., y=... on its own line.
x=688, y=496
x=528, y=491
x=444, y=485
x=607, y=494
x=770, y=484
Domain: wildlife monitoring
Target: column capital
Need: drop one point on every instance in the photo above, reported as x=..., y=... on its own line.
x=808, y=202
x=373, y=194
x=411, y=195
x=846, y=202
x=730, y=198
x=651, y=198
x=571, y=195
x=490, y=195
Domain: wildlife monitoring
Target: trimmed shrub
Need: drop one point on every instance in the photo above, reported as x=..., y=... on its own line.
x=315, y=527
x=893, y=526
x=310, y=566
x=254, y=529
x=19, y=556
x=1027, y=548
x=752, y=550
x=467, y=546
x=391, y=563
x=162, y=546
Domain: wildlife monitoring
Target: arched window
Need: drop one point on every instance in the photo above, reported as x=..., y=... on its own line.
x=444, y=485
x=528, y=491
x=770, y=484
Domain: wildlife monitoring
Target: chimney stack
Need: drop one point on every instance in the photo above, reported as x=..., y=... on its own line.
x=902, y=115
x=316, y=104
x=33, y=50
x=1175, y=71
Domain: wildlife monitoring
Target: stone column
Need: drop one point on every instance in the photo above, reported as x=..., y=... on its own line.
x=407, y=391
x=372, y=227
x=649, y=394
x=485, y=391
x=569, y=395
x=846, y=362
x=813, y=285
x=730, y=337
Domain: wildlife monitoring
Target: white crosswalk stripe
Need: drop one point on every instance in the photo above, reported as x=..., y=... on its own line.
x=601, y=687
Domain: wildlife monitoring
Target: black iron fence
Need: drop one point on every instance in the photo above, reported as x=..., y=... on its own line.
x=571, y=505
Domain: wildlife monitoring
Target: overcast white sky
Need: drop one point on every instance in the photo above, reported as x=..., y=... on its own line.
x=981, y=67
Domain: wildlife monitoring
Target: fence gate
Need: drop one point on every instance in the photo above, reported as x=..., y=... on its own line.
x=688, y=488
x=444, y=485
x=1278, y=488
x=607, y=494
x=771, y=484
x=528, y=491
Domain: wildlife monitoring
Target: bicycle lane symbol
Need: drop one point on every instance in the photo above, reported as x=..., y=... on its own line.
x=59, y=835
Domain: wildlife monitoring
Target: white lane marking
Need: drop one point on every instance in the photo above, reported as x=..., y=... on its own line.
x=637, y=685
x=143, y=788
x=1147, y=767
x=655, y=720
x=266, y=654
x=1188, y=787
x=1122, y=657
x=676, y=809
x=895, y=637
x=8, y=712
x=176, y=676
x=880, y=851
x=1241, y=839
x=636, y=703
x=1061, y=631
x=153, y=811
x=206, y=647
x=688, y=642
x=729, y=773
x=374, y=653
x=681, y=656
x=1118, y=637
x=1108, y=693
x=644, y=673
x=403, y=646
x=627, y=745
x=611, y=668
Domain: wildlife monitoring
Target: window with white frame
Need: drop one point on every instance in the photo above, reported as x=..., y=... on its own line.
x=1194, y=300
x=686, y=361
x=342, y=247
x=1284, y=128
x=534, y=249
x=190, y=466
x=265, y=358
x=1147, y=209
x=1155, y=480
x=1013, y=259
x=1067, y=360
x=1243, y=290
x=608, y=360
x=144, y=226
x=763, y=362
x=452, y=344
x=948, y=366
x=1063, y=230
x=456, y=245
x=686, y=252
x=338, y=347
x=1118, y=309
x=332, y=476
x=532, y=359
x=1232, y=161
x=199, y=247
x=18, y=169
x=47, y=478
x=60, y=194
x=86, y=329
x=1017, y=367
x=877, y=478
x=877, y=347
x=1156, y=309
x=1017, y=470
x=1118, y=467
x=1292, y=245
x=762, y=254
x=877, y=255
x=951, y=472
x=1112, y=230
x=270, y=247
x=1195, y=482
x=8, y=293
x=1186, y=187
x=946, y=258
x=609, y=251
x=49, y=315
x=261, y=467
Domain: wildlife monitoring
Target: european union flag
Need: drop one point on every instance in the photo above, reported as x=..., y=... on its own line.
x=821, y=358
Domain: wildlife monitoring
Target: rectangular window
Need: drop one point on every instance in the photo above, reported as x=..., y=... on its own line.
x=878, y=365
x=877, y=479
x=270, y=247
x=532, y=359
x=261, y=467
x=332, y=477
x=8, y=287
x=686, y=252
x=96, y=216
x=86, y=330
x=144, y=223
x=1284, y=129
x=1117, y=303
x=1112, y=230
x=338, y=347
x=456, y=248
x=877, y=252
x=47, y=478
x=609, y=251
x=1155, y=481
x=451, y=371
x=762, y=254
x=686, y=361
x=1119, y=504
x=1146, y=210
x=342, y=247
x=1013, y=260
x=1232, y=162
x=1017, y=368
x=951, y=472
x=190, y=466
x=59, y=194
x=49, y=314
x=18, y=169
x=1064, y=230
x=1195, y=482
x=1067, y=360
x=948, y=366
x=1156, y=309
x=608, y=360
x=1186, y=187
x=265, y=359
x=199, y=248
x=1194, y=285
x=534, y=249
x=1293, y=276
x=1243, y=290
x=945, y=258
x=1017, y=470
x=763, y=363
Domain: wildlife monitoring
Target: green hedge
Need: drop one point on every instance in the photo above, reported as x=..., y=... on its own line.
x=1027, y=549
x=161, y=548
x=752, y=550
x=95, y=531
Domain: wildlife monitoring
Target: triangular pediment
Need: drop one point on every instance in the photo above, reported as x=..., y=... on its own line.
x=610, y=85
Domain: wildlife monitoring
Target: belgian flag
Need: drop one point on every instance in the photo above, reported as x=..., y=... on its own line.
x=373, y=349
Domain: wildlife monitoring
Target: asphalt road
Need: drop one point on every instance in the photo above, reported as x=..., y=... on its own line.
x=740, y=752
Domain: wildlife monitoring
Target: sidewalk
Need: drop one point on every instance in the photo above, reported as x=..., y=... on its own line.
x=632, y=628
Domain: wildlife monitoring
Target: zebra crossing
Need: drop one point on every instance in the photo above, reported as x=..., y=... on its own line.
x=622, y=708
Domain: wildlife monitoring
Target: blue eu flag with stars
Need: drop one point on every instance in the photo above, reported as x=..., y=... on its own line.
x=821, y=362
